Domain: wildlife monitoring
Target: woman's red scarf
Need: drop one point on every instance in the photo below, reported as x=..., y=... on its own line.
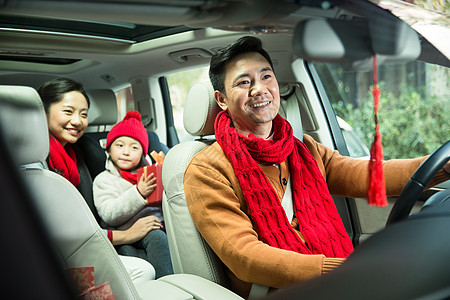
x=63, y=161
x=319, y=221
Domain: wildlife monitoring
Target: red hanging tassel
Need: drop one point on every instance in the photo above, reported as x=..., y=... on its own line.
x=377, y=188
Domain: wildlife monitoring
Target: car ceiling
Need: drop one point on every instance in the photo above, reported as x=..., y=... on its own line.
x=192, y=13
x=141, y=27
x=93, y=46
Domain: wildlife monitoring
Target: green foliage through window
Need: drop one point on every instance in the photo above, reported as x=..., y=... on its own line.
x=410, y=124
x=414, y=105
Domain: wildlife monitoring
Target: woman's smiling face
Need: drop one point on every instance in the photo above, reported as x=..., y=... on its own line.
x=68, y=118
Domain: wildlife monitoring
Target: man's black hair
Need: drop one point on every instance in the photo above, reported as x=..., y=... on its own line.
x=223, y=56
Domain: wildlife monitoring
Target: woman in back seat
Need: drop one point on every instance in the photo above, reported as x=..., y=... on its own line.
x=66, y=105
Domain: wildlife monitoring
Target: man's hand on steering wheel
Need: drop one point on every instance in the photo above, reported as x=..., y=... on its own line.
x=417, y=183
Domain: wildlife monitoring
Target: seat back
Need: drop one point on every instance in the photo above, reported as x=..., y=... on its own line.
x=189, y=251
x=102, y=116
x=71, y=226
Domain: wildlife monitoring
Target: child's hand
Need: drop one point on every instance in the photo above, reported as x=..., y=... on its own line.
x=146, y=185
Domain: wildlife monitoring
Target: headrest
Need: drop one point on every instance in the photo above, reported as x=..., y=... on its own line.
x=103, y=110
x=23, y=124
x=200, y=109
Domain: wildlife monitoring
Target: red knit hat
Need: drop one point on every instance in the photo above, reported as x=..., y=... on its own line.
x=131, y=126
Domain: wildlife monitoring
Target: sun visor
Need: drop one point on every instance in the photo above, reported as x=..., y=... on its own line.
x=352, y=43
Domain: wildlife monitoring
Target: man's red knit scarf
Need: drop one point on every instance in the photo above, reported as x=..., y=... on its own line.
x=319, y=221
x=63, y=161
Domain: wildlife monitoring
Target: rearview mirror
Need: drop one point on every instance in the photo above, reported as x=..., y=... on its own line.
x=352, y=43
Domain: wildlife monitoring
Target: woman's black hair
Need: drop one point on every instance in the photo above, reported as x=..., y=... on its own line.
x=223, y=56
x=52, y=91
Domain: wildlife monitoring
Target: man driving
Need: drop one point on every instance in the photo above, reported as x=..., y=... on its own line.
x=260, y=197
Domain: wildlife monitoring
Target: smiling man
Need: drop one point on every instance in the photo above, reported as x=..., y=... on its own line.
x=259, y=196
x=250, y=94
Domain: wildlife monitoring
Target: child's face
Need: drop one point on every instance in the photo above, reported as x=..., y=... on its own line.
x=68, y=118
x=125, y=152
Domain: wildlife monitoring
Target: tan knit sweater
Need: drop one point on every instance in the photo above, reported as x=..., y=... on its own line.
x=219, y=211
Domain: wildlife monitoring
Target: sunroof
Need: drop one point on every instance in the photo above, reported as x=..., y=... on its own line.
x=117, y=31
x=37, y=59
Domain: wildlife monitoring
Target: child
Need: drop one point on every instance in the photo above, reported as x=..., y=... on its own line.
x=120, y=197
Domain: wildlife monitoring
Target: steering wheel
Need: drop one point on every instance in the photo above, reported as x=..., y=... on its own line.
x=417, y=183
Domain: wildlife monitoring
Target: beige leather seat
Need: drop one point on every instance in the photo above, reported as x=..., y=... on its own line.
x=68, y=220
x=189, y=251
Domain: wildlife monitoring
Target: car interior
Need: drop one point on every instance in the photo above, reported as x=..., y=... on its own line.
x=124, y=53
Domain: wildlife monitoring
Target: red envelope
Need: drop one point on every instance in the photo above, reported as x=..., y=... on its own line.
x=155, y=198
x=82, y=277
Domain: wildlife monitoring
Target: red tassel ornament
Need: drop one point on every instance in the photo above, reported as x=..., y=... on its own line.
x=377, y=188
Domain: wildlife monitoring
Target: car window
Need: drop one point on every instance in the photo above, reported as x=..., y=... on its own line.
x=179, y=85
x=413, y=112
